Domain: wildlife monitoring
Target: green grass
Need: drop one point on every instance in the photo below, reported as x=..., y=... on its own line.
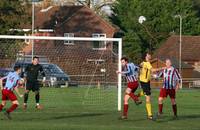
x=80, y=109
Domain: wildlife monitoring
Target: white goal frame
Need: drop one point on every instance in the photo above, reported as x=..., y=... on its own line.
x=118, y=40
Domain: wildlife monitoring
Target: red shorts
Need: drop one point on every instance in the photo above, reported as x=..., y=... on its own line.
x=133, y=85
x=8, y=95
x=165, y=92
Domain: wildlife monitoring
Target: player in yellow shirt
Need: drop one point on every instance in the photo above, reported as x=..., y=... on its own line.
x=145, y=77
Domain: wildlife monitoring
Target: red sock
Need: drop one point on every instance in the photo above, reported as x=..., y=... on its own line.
x=125, y=110
x=1, y=107
x=174, y=109
x=12, y=108
x=133, y=96
x=160, y=108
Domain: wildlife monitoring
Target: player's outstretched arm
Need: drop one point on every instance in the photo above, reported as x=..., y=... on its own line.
x=126, y=71
x=123, y=72
x=141, y=65
x=42, y=71
x=157, y=69
x=1, y=82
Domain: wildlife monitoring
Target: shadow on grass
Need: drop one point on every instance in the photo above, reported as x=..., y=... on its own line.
x=189, y=116
x=84, y=115
x=181, y=117
x=132, y=120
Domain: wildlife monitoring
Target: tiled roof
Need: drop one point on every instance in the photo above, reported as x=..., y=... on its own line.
x=190, y=48
x=56, y=16
x=175, y=63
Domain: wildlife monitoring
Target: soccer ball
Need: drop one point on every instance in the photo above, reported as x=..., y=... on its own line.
x=21, y=83
x=141, y=19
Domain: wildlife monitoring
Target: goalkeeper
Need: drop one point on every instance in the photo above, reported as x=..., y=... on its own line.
x=31, y=75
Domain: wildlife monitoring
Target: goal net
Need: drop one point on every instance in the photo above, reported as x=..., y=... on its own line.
x=80, y=71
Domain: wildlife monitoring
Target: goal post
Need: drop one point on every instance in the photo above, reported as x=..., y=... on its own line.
x=119, y=75
x=118, y=41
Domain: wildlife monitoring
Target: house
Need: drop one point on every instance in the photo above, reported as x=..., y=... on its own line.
x=188, y=74
x=83, y=61
x=190, y=49
x=71, y=21
x=190, y=56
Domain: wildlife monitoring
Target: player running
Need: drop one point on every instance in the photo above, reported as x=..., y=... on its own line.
x=171, y=82
x=130, y=73
x=31, y=76
x=12, y=82
x=145, y=77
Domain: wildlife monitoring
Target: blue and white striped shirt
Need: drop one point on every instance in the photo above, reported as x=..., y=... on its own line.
x=170, y=78
x=11, y=80
x=131, y=72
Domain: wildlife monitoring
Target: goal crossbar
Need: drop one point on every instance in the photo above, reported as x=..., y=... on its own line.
x=59, y=38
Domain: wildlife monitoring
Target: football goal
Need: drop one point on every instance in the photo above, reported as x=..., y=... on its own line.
x=79, y=70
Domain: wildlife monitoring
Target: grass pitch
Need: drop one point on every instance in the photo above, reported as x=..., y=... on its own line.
x=96, y=109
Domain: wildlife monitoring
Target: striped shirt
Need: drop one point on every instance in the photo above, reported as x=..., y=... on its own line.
x=170, y=78
x=131, y=72
x=11, y=80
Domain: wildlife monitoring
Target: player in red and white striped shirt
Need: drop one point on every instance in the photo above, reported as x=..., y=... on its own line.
x=171, y=80
x=130, y=72
x=12, y=83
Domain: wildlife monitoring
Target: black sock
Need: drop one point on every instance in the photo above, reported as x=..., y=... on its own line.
x=25, y=97
x=37, y=97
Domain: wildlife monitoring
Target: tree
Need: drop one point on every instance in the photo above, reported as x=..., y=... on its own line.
x=160, y=23
x=95, y=5
x=133, y=51
x=12, y=15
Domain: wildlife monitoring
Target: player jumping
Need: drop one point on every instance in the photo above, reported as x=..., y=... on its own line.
x=145, y=77
x=130, y=73
x=171, y=82
x=12, y=82
x=31, y=76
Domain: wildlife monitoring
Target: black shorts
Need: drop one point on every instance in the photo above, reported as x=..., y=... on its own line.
x=34, y=86
x=146, y=88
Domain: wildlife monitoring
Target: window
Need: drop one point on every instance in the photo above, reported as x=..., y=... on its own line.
x=66, y=42
x=99, y=45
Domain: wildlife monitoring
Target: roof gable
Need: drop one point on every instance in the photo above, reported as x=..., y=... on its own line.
x=56, y=16
x=175, y=63
x=87, y=14
x=190, y=48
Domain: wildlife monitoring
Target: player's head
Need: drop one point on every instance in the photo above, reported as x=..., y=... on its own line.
x=168, y=63
x=17, y=69
x=147, y=56
x=35, y=60
x=124, y=60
